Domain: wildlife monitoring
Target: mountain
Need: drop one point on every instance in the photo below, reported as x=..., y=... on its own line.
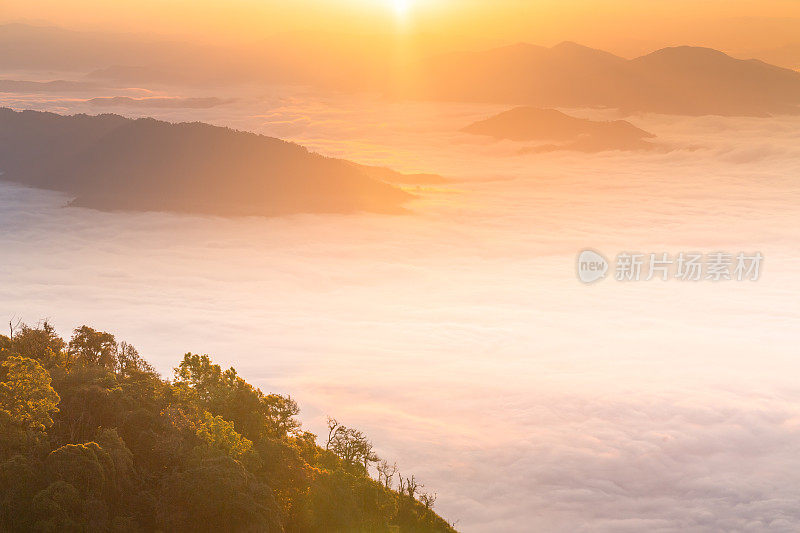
x=128, y=59
x=784, y=56
x=93, y=439
x=24, y=46
x=56, y=86
x=695, y=81
x=571, y=133
x=155, y=101
x=681, y=80
x=521, y=73
x=109, y=162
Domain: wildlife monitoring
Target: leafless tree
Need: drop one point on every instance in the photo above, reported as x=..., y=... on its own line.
x=428, y=499
x=411, y=486
x=368, y=455
x=13, y=324
x=386, y=473
x=333, y=428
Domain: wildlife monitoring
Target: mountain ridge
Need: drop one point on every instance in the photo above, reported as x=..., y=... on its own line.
x=686, y=80
x=110, y=162
x=683, y=80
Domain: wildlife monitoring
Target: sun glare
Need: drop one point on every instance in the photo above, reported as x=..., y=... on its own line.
x=401, y=7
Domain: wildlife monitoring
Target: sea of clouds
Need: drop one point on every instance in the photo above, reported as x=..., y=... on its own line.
x=458, y=336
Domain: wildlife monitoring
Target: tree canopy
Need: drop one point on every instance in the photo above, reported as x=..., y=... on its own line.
x=93, y=439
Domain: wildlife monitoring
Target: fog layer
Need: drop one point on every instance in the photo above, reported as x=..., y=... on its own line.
x=458, y=337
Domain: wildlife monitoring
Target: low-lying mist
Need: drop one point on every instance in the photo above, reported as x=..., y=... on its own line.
x=458, y=337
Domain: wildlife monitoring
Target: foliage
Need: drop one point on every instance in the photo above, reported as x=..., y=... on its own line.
x=351, y=445
x=93, y=439
x=26, y=397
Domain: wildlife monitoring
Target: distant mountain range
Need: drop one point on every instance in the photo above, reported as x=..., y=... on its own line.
x=109, y=162
x=128, y=58
x=683, y=80
x=566, y=132
x=25, y=46
x=161, y=102
x=55, y=86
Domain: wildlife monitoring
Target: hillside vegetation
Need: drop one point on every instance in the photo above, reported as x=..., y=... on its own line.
x=92, y=439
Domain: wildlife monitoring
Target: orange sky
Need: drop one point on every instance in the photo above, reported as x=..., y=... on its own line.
x=623, y=26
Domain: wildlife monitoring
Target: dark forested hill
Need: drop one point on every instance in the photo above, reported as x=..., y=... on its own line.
x=110, y=162
x=92, y=439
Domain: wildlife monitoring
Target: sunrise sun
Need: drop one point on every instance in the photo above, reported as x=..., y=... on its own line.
x=401, y=7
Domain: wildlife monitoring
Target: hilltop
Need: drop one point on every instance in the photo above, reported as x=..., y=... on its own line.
x=571, y=133
x=109, y=162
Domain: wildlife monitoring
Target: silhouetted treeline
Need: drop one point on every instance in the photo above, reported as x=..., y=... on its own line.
x=93, y=439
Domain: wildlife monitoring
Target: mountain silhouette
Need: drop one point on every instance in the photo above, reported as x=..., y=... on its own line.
x=570, y=133
x=155, y=101
x=25, y=46
x=55, y=86
x=787, y=56
x=109, y=162
x=683, y=80
x=680, y=80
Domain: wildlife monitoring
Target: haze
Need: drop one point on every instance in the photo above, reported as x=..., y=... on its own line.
x=453, y=331
x=459, y=337
x=622, y=26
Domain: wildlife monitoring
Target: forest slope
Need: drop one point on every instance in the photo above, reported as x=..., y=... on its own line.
x=92, y=439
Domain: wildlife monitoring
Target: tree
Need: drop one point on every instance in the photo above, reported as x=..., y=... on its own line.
x=91, y=347
x=254, y=415
x=216, y=494
x=120, y=469
x=129, y=361
x=13, y=324
x=41, y=343
x=206, y=452
x=353, y=447
x=26, y=397
x=219, y=434
x=409, y=485
x=428, y=499
x=200, y=374
x=344, y=501
x=281, y=412
x=59, y=507
x=87, y=467
x=333, y=427
x=21, y=478
x=386, y=473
